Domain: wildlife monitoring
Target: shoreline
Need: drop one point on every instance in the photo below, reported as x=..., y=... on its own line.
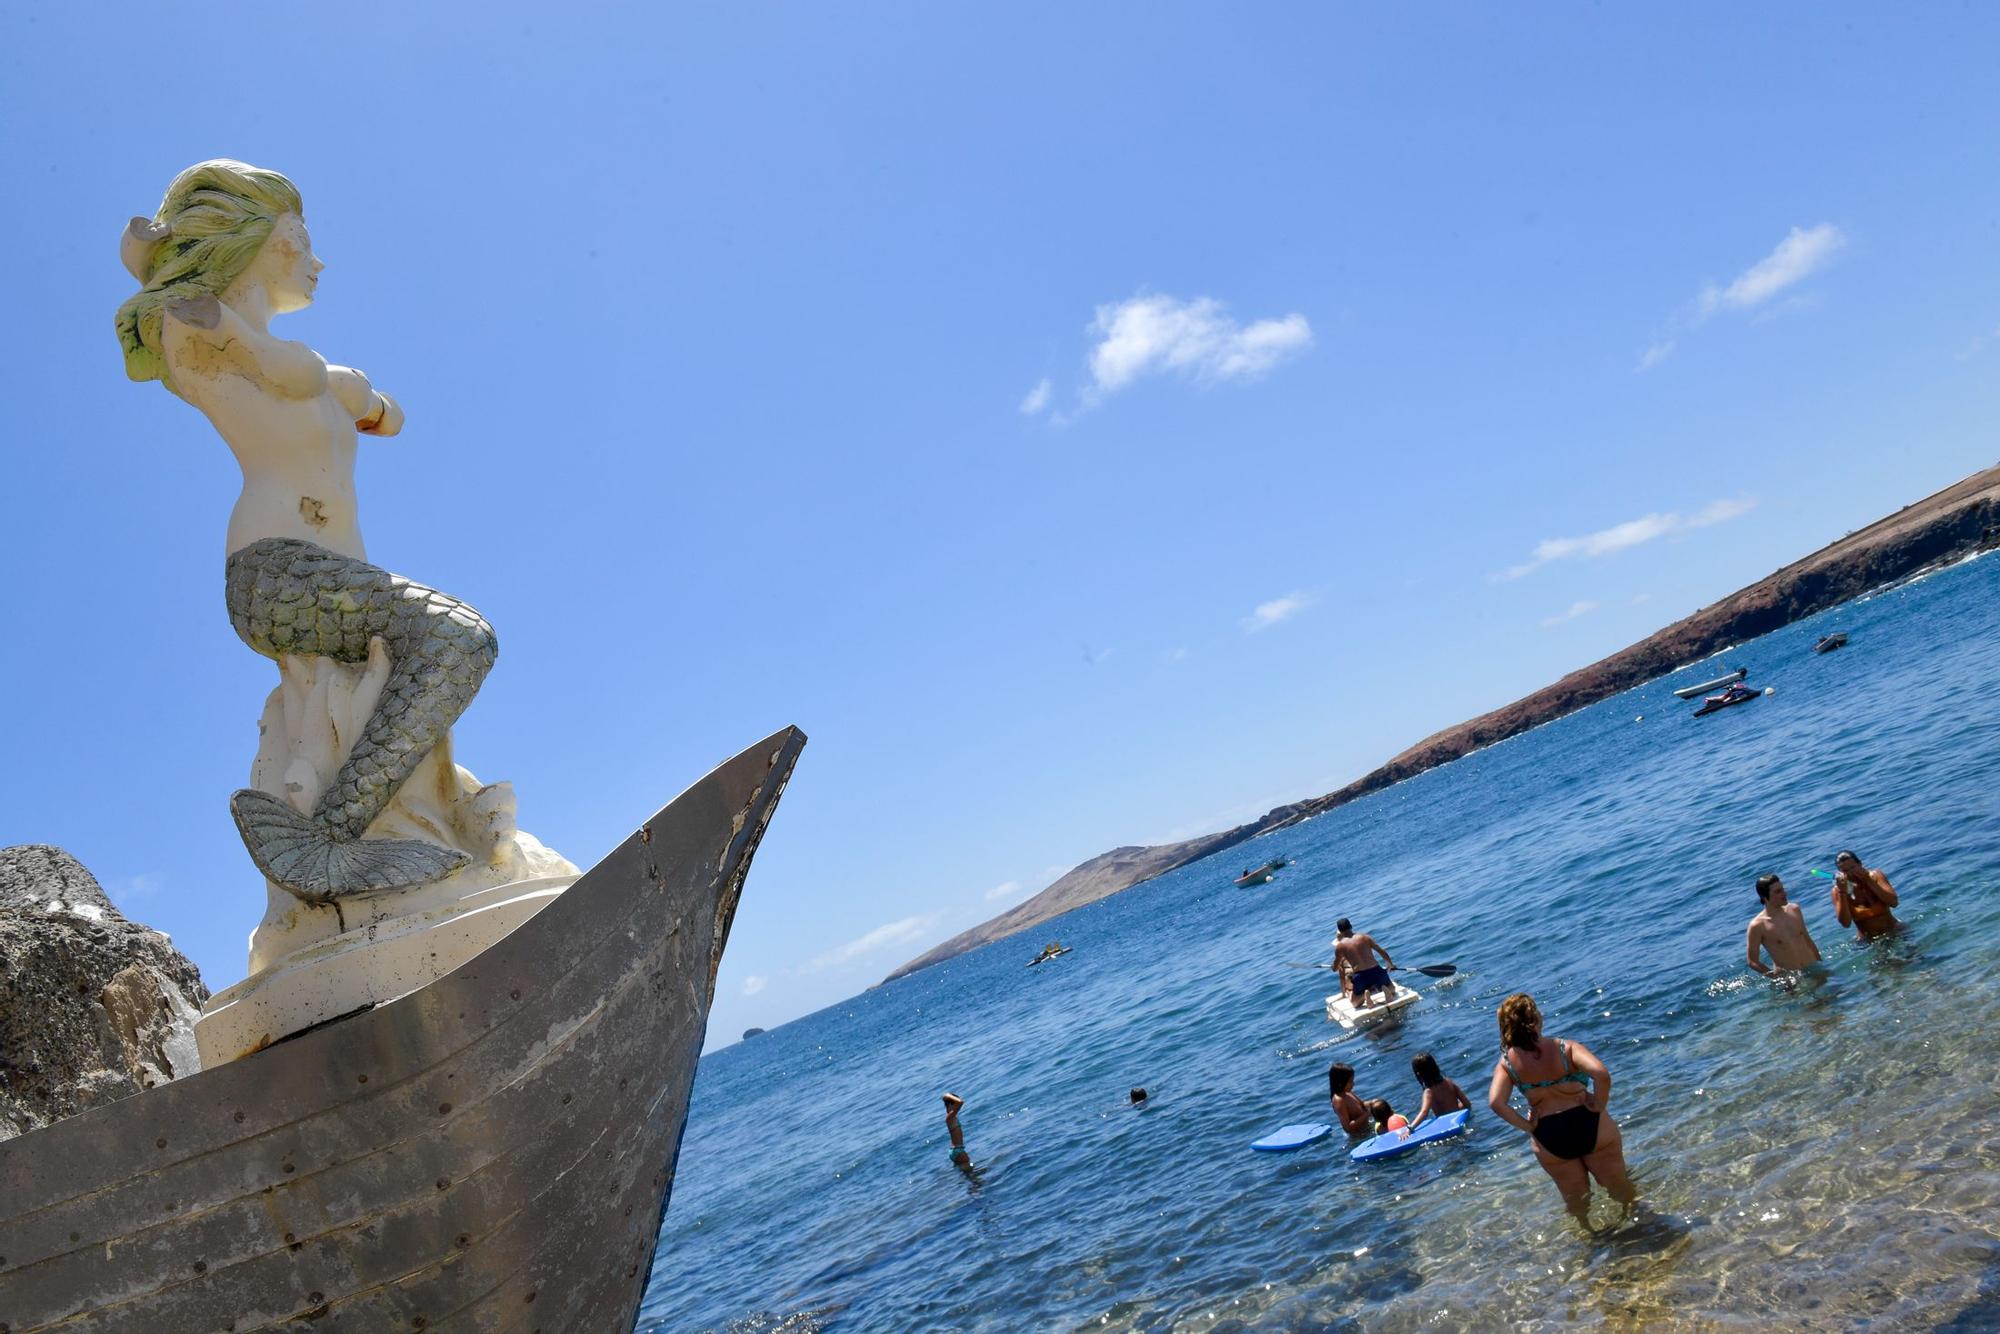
x=1948, y=526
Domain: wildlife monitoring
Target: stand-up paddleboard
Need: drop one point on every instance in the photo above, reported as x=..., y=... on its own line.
x=1292, y=1137
x=1402, y=1141
x=1341, y=1011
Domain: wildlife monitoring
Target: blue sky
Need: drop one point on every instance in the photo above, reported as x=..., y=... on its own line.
x=1094, y=424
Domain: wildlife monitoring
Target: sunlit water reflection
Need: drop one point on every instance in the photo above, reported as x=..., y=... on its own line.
x=1818, y=1154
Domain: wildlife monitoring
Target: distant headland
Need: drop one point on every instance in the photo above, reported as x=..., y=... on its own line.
x=1958, y=521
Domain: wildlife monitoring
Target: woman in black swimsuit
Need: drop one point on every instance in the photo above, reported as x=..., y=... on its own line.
x=1566, y=1088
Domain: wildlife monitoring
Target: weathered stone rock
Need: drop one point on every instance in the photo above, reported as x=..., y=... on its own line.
x=93, y=1006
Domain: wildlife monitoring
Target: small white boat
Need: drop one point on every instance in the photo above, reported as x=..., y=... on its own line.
x=1340, y=1010
x=1689, y=692
x=1262, y=875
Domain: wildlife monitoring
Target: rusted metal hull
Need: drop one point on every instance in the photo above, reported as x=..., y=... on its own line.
x=491, y=1152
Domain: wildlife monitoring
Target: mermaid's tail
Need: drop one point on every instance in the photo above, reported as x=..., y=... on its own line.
x=303, y=855
x=287, y=596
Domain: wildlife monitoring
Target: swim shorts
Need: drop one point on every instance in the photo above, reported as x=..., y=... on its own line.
x=1371, y=979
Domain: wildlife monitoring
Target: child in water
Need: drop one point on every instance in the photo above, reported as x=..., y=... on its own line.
x=1385, y=1116
x=1441, y=1095
x=1353, y=1113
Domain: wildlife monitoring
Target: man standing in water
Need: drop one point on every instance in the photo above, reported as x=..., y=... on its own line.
x=1781, y=930
x=1354, y=958
x=1862, y=897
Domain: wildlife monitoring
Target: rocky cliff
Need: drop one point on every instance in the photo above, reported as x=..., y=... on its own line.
x=93, y=1007
x=1957, y=521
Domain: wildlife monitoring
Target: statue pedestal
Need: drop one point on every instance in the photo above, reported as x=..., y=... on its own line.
x=366, y=965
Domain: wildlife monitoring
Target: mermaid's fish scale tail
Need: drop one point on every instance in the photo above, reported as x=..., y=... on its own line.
x=440, y=650
x=301, y=854
x=287, y=596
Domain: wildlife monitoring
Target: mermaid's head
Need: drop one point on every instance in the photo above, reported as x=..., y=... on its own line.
x=209, y=229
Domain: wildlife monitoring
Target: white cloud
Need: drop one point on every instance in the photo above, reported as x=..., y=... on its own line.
x=1803, y=252
x=1628, y=534
x=1152, y=335
x=1979, y=341
x=1576, y=609
x=1037, y=398
x=1175, y=654
x=753, y=984
x=133, y=888
x=1006, y=889
x=1656, y=354
x=1641, y=599
x=899, y=932
x=1270, y=613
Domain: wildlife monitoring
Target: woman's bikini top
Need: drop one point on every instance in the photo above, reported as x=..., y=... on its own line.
x=1568, y=1076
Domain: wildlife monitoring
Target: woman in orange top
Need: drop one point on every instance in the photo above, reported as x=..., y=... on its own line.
x=1862, y=898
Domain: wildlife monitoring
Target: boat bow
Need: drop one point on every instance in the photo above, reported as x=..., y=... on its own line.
x=493, y=1151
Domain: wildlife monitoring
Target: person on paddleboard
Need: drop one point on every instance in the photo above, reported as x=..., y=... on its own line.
x=1863, y=897
x=1780, y=931
x=1353, y=1113
x=1354, y=956
x=1566, y=1088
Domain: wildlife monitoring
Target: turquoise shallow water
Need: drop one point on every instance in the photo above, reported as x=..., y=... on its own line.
x=1820, y=1156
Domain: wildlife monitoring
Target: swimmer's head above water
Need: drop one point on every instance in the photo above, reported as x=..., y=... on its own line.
x=1770, y=891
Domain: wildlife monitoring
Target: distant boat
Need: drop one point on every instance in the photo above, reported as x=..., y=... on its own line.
x=1689, y=692
x=1052, y=950
x=749, y=1033
x=1829, y=643
x=1262, y=875
x=1727, y=700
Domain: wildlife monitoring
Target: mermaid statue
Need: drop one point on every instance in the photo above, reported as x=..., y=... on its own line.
x=374, y=668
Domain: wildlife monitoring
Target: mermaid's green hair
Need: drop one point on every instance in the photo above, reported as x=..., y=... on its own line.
x=217, y=215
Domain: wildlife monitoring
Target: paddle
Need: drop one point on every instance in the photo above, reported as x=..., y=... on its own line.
x=1432, y=970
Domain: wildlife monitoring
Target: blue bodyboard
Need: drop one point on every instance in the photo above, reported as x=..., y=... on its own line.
x=1402, y=1141
x=1293, y=1137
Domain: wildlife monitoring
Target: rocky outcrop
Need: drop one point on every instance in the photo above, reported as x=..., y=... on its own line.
x=93, y=1007
x=1956, y=522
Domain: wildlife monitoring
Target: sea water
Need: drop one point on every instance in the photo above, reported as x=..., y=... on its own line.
x=1821, y=1154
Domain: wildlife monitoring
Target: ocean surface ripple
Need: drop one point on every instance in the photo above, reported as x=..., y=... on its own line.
x=1819, y=1155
